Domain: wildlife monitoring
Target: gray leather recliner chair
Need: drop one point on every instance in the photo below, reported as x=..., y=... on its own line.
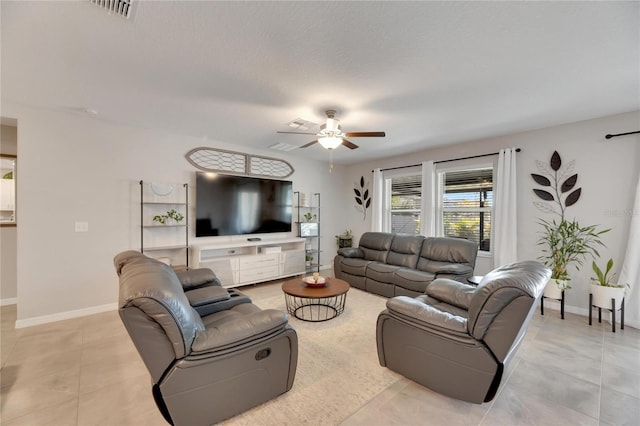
x=207, y=368
x=457, y=339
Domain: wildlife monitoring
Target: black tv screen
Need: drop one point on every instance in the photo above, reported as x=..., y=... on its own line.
x=238, y=205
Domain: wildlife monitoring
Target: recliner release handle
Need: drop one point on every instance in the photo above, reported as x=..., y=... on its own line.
x=263, y=353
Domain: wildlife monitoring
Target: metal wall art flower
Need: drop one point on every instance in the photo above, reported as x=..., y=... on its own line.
x=559, y=182
x=362, y=197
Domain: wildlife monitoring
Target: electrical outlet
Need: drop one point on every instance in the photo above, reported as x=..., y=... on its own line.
x=82, y=226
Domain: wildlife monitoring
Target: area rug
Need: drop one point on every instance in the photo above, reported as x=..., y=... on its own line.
x=338, y=369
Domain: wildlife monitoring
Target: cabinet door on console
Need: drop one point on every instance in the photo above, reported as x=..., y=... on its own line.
x=225, y=269
x=292, y=262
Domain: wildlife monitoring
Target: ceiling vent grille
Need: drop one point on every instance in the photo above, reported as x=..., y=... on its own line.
x=123, y=8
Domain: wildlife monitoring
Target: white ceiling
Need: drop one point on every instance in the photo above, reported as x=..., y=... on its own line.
x=427, y=73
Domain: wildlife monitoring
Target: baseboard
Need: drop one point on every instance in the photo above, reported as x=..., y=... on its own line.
x=325, y=267
x=45, y=319
x=9, y=301
x=552, y=304
x=606, y=315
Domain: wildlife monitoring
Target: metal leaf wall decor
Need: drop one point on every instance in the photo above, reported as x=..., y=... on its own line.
x=363, y=199
x=558, y=182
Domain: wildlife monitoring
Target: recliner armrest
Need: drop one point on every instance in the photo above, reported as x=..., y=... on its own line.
x=424, y=313
x=207, y=295
x=453, y=269
x=192, y=278
x=239, y=331
x=452, y=292
x=355, y=252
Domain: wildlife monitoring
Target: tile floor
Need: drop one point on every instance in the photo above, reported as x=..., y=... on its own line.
x=75, y=372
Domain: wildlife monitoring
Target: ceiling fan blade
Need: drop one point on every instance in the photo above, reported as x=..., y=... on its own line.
x=308, y=144
x=349, y=144
x=299, y=133
x=365, y=134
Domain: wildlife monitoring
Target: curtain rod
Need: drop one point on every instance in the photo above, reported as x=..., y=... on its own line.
x=446, y=161
x=609, y=136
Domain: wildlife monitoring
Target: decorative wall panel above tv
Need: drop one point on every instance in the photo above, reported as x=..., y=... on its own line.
x=237, y=163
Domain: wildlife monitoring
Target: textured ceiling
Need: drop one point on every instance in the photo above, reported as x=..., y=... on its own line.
x=427, y=73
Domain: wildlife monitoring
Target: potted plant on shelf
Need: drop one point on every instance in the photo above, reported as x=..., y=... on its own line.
x=310, y=217
x=171, y=215
x=604, y=288
x=308, y=260
x=566, y=243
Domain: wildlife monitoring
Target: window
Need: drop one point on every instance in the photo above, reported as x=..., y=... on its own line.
x=467, y=203
x=405, y=204
x=463, y=204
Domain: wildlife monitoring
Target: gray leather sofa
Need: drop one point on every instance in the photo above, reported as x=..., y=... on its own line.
x=404, y=265
x=206, y=368
x=458, y=339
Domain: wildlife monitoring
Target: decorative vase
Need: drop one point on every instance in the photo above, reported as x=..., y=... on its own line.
x=553, y=289
x=602, y=296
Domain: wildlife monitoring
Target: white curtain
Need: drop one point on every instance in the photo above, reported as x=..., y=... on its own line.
x=630, y=271
x=377, y=209
x=428, y=208
x=505, y=245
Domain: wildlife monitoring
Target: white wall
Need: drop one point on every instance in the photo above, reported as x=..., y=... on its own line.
x=8, y=234
x=76, y=168
x=607, y=172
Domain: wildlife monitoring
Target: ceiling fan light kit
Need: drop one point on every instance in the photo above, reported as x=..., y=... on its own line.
x=331, y=135
x=330, y=142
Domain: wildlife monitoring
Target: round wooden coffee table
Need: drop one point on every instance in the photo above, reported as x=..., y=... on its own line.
x=315, y=303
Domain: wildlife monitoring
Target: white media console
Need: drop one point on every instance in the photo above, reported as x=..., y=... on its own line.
x=238, y=263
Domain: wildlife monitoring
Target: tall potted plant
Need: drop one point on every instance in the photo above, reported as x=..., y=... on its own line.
x=564, y=242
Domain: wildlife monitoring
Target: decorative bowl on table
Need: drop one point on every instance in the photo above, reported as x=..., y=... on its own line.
x=317, y=281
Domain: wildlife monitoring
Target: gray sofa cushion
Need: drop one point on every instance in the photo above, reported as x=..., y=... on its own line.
x=236, y=326
x=428, y=315
x=375, y=245
x=439, y=254
x=413, y=279
x=381, y=272
x=405, y=250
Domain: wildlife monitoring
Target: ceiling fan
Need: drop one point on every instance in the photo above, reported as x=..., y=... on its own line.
x=331, y=135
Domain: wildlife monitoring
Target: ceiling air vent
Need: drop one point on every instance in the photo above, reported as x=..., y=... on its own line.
x=301, y=124
x=123, y=8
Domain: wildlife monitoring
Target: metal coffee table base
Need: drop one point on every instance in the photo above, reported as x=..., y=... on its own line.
x=315, y=309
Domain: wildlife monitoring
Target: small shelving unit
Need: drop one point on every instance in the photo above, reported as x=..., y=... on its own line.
x=308, y=225
x=168, y=242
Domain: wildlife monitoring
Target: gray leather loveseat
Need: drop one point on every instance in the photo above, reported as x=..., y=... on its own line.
x=404, y=265
x=204, y=368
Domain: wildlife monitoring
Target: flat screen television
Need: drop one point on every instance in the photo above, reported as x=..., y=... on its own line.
x=240, y=205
